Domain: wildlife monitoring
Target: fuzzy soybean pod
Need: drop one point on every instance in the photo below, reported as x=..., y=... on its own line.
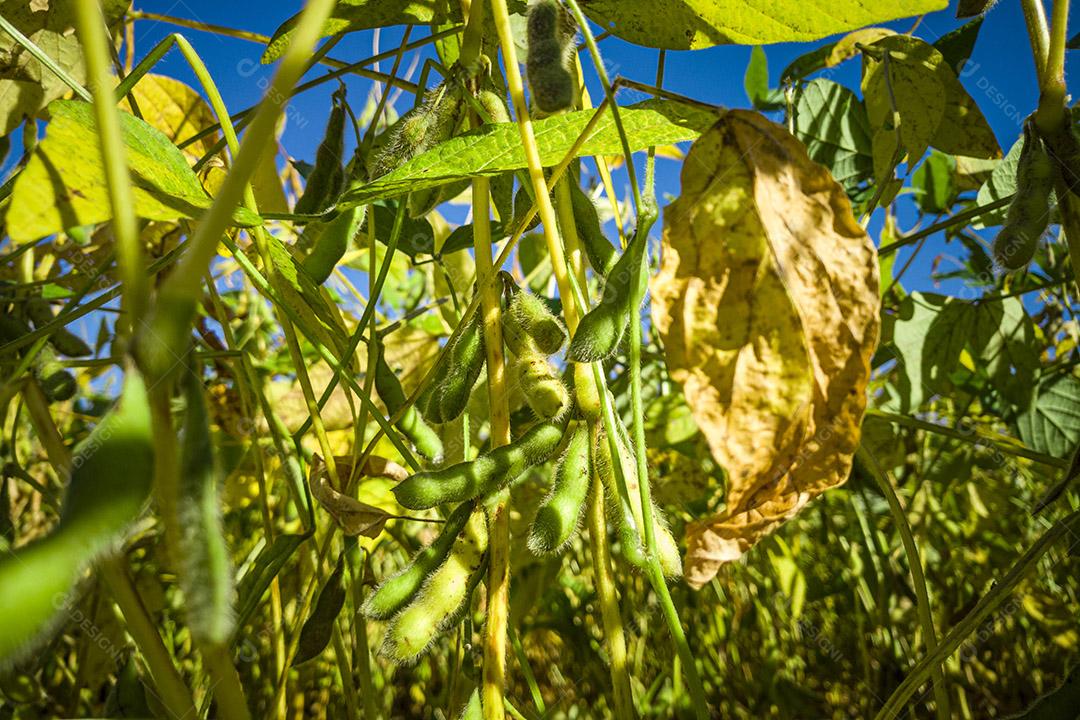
x=494, y=106
x=600, y=252
x=586, y=396
x=1029, y=212
x=332, y=242
x=550, y=32
x=442, y=596
x=486, y=474
x=206, y=574
x=412, y=425
x=446, y=114
x=447, y=397
x=327, y=178
x=396, y=591
x=542, y=387
x=532, y=317
x=560, y=512
x=63, y=340
x=602, y=329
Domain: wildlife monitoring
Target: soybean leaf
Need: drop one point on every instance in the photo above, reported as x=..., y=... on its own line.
x=177, y=110
x=206, y=574
x=496, y=148
x=929, y=333
x=319, y=627
x=694, y=24
x=1051, y=424
x=264, y=569
x=26, y=86
x=756, y=82
x=933, y=183
x=956, y=46
x=63, y=184
x=1061, y=702
x=112, y=474
x=833, y=124
x=969, y=8
x=786, y=429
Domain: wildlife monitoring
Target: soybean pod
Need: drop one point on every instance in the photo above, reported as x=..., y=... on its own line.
x=448, y=395
x=442, y=596
x=560, y=512
x=1029, y=212
x=542, y=387
x=411, y=424
x=550, y=31
x=486, y=474
x=399, y=589
x=327, y=178
x=600, y=252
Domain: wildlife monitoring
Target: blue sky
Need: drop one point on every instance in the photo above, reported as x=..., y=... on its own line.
x=1000, y=76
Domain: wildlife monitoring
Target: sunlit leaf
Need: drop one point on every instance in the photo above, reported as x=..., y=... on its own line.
x=63, y=185
x=761, y=232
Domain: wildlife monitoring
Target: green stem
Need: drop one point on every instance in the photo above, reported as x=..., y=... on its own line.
x=1050, y=117
x=91, y=27
x=42, y=57
x=918, y=578
x=1038, y=34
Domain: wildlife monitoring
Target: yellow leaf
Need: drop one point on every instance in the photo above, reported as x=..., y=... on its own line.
x=176, y=110
x=767, y=304
x=845, y=47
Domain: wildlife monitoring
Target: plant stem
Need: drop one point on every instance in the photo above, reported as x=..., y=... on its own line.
x=91, y=27
x=614, y=636
x=918, y=578
x=1050, y=116
x=1038, y=34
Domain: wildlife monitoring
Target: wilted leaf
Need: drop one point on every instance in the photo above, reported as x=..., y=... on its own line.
x=764, y=235
x=353, y=516
x=694, y=24
x=63, y=185
x=845, y=48
x=26, y=86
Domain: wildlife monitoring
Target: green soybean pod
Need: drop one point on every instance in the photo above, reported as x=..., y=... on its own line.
x=63, y=340
x=494, y=106
x=327, y=179
x=440, y=599
x=1028, y=215
x=486, y=474
x=600, y=252
x=542, y=387
x=56, y=381
x=411, y=424
x=206, y=573
x=532, y=316
x=447, y=112
x=586, y=395
x=602, y=329
x=396, y=591
x=550, y=33
x=448, y=396
x=111, y=478
x=319, y=627
x=332, y=242
x=560, y=511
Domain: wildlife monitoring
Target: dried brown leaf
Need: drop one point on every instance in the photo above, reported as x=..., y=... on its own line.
x=354, y=517
x=767, y=303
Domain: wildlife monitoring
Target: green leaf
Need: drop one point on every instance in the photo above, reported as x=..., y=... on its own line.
x=929, y=333
x=695, y=24
x=263, y=570
x=833, y=125
x=353, y=15
x=1051, y=424
x=63, y=184
x=969, y=8
x=756, y=82
x=807, y=64
x=206, y=574
x=494, y=149
x=1061, y=702
x=315, y=635
x=956, y=46
x=26, y=86
x=933, y=183
x=112, y=474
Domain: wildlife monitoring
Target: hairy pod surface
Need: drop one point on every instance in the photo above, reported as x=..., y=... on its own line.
x=599, y=251
x=550, y=32
x=602, y=329
x=560, y=511
x=411, y=424
x=532, y=316
x=486, y=474
x=1029, y=212
x=63, y=340
x=586, y=394
x=440, y=599
x=332, y=242
x=494, y=106
x=327, y=178
x=397, y=590
x=542, y=387
x=448, y=395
